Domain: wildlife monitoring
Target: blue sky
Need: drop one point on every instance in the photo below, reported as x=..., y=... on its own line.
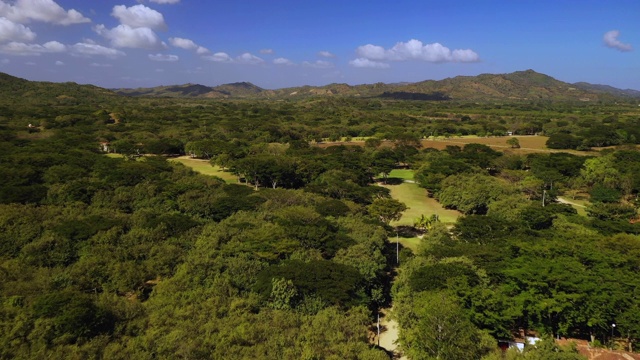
x=283, y=43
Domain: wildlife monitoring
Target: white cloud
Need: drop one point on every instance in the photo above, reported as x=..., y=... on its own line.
x=183, y=43
x=55, y=47
x=165, y=1
x=283, y=61
x=10, y=31
x=124, y=36
x=249, y=59
x=59, y=63
x=188, y=44
x=30, y=63
x=219, y=57
x=319, y=64
x=22, y=49
x=101, y=65
x=371, y=52
x=326, y=54
x=88, y=49
x=611, y=40
x=139, y=16
x=267, y=51
x=416, y=50
x=366, y=63
x=162, y=57
x=41, y=10
x=201, y=50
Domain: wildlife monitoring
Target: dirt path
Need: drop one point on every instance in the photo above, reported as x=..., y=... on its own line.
x=389, y=335
x=568, y=202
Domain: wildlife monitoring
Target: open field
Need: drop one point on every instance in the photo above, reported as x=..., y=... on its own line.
x=528, y=144
x=404, y=174
x=204, y=167
x=419, y=203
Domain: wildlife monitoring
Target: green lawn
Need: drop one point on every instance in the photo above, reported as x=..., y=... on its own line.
x=204, y=167
x=404, y=174
x=419, y=203
x=411, y=243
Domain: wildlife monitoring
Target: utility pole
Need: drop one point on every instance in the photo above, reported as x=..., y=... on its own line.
x=544, y=194
x=378, y=329
x=397, y=248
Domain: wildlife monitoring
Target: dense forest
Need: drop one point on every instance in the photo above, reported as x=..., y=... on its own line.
x=110, y=250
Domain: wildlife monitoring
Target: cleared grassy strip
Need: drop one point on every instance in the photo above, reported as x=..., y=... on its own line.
x=419, y=203
x=578, y=204
x=411, y=243
x=204, y=167
x=404, y=174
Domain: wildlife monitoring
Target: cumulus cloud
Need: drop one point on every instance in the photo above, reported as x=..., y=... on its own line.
x=162, y=57
x=366, y=63
x=412, y=50
x=101, y=65
x=249, y=59
x=90, y=49
x=22, y=49
x=139, y=16
x=267, y=51
x=319, y=64
x=124, y=36
x=326, y=54
x=188, y=44
x=24, y=11
x=611, y=40
x=201, y=50
x=10, y=31
x=219, y=57
x=59, y=63
x=183, y=43
x=283, y=61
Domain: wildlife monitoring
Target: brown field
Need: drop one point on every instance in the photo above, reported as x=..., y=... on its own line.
x=528, y=144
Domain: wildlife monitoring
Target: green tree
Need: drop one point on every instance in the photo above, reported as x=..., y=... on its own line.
x=436, y=327
x=386, y=210
x=514, y=143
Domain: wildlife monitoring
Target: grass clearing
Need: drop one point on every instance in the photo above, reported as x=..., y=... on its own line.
x=204, y=167
x=578, y=204
x=419, y=203
x=404, y=174
x=411, y=243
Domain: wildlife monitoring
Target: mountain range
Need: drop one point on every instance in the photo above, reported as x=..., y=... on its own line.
x=525, y=85
x=519, y=85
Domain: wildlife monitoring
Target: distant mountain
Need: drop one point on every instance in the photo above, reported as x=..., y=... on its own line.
x=235, y=90
x=606, y=89
x=519, y=85
x=12, y=87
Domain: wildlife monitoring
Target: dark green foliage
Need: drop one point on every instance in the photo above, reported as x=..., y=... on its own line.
x=563, y=141
x=332, y=207
x=600, y=193
x=436, y=276
x=335, y=284
x=73, y=316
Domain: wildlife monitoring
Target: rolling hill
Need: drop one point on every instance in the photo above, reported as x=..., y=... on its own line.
x=519, y=85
